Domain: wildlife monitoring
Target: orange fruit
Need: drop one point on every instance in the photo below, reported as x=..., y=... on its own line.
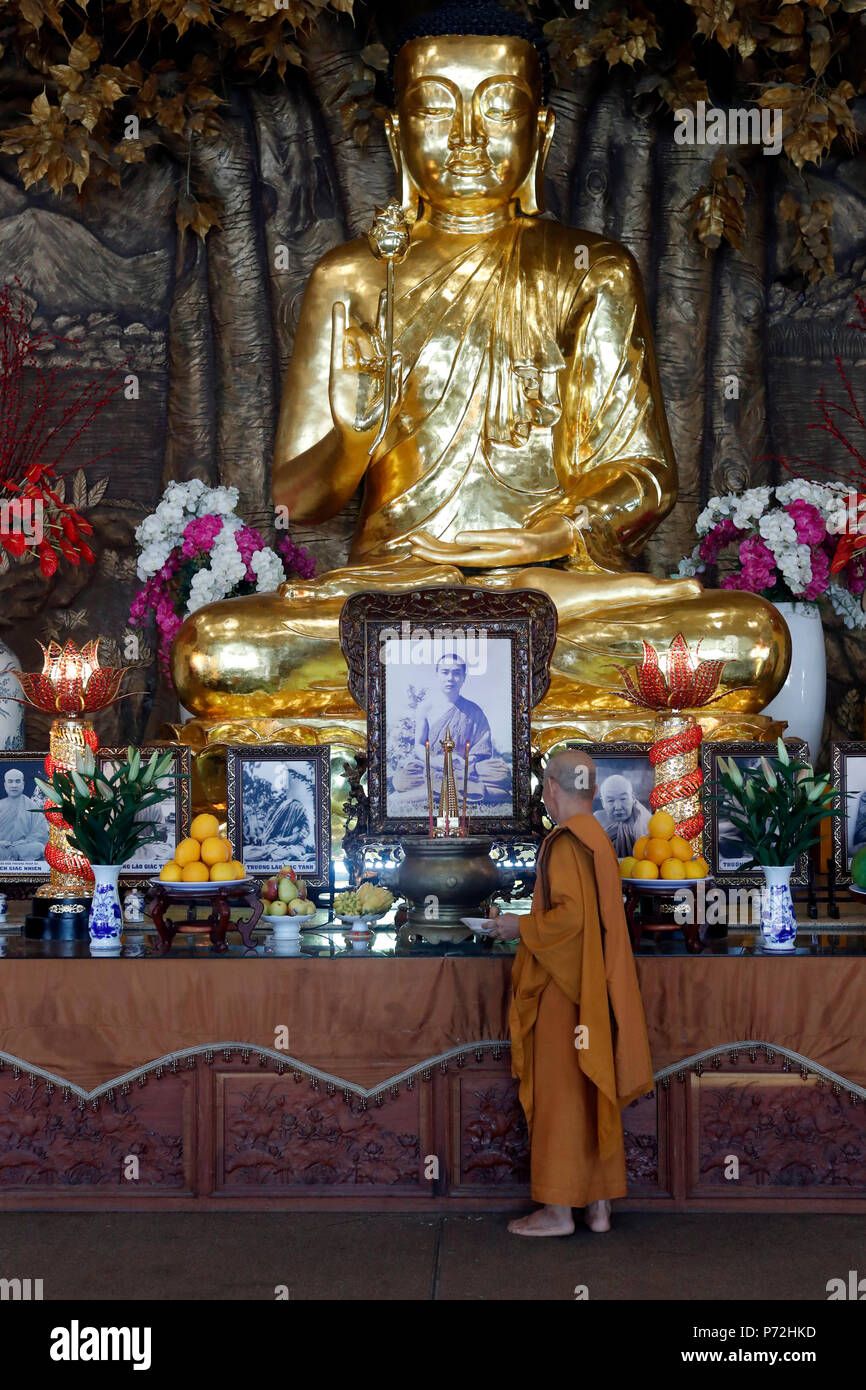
x=645, y=869
x=680, y=848
x=627, y=867
x=221, y=872
x=187, y=852
x=657, y=851
x=661, y=826
x=671, y=868
x=240, y=871
x=215, y=850
x=640, y=847
x=203, y=827
x=195, y=872
x=170, y=872
x=696, y=868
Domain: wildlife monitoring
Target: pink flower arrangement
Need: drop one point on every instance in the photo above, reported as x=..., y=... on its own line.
x=195, y=550
x=785, y=540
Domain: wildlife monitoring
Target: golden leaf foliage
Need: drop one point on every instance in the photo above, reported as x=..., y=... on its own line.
x=813, y=247
x=716, y=212
x=76, y=131
x=798, y=56
x=812, y=117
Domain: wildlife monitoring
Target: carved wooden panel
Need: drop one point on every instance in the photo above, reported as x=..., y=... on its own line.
x=48, y=1143
x=641, y=1134
x=273, y=1132
x=786, y=1133
x=490, y=1147
x=490, y=1143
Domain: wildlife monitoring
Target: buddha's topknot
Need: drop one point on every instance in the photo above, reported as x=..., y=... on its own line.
x=474, y=17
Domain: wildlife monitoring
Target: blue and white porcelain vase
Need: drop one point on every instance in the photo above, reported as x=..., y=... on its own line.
x=105, y=922
x=11, y=713
x=778, y=923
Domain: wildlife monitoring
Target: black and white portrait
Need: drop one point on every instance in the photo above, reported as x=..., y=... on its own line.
x=731, y=853
x=848, y=773
x=279, y=809
x=621, y=804
x=855, y=810
x=23, y=829
x=461, y=688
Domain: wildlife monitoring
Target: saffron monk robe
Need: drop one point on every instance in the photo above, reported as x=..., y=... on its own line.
x=578, y=1034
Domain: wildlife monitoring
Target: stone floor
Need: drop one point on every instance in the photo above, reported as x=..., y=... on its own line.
x=321, y=1256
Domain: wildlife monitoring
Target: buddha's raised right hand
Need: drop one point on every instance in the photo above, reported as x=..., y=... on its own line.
x=357, y=377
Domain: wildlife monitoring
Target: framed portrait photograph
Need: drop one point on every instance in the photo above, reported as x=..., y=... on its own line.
x=169, y=817
x=448, y=666
x=624, y=780
x=23, y=832
x=848, y=773
x=278, y=808
x=724, y=850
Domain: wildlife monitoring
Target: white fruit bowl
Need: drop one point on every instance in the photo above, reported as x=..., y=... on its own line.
x=201, y=889
x=665, y=885
x=362, y=923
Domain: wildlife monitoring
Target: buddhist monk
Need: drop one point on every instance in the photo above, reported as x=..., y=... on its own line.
x=578, y=1034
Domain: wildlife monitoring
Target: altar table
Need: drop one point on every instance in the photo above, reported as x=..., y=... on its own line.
x=382, y=1081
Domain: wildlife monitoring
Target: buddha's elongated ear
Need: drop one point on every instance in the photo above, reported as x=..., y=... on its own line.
x=530, y=194
x=407, y=189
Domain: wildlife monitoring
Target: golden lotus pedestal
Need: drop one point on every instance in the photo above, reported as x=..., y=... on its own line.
x=347, y=735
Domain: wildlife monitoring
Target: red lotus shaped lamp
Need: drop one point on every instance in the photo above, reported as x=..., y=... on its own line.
x=71, y=685
x=675, y=753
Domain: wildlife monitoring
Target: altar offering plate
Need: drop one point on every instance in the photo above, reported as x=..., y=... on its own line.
x=364, y=923
x=665, y=885
x=287, y=926
x=201, y=890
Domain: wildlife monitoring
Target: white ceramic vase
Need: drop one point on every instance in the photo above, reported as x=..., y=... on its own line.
x=801, y=699
x=11, y=714
x=105, y=922
x=778, y=923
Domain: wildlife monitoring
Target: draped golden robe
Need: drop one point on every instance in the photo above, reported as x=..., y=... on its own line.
x=575, y=968
x=482, y=439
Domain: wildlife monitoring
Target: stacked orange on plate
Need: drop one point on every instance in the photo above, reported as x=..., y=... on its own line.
x=663, y=854
x=205, y=857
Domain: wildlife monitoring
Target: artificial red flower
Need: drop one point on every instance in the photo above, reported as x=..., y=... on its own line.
x=689, y=685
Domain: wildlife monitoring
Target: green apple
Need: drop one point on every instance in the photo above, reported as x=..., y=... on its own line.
x=287, y=891
x=277, y=909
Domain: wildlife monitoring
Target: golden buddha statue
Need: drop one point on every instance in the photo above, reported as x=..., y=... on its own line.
x=526, y=443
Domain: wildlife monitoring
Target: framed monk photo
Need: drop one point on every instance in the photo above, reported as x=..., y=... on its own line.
x=23, y=829
x=848, y=773
x=624, y=780
x=724, y=851
x=457, y=667
x=278, y=808
x=169, y=817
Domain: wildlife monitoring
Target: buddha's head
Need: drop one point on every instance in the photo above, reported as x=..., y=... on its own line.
x=470, y=130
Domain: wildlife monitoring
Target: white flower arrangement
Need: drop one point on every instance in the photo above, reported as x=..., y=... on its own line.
x=162, y=533
x=787, y=540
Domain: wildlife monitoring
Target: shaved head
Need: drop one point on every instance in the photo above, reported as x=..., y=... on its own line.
x=574, y=772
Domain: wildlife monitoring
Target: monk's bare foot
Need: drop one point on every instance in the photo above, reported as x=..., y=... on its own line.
x=546, y=1221
x=597, y=1215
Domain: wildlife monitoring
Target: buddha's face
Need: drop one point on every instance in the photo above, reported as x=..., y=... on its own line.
x=468, y=112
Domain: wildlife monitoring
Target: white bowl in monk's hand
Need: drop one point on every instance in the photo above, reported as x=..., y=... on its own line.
x=479, y=926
